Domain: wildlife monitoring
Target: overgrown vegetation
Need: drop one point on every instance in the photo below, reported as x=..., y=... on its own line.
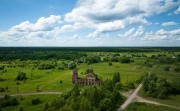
x=159, y=88
x=94, y=98
x=21, y=76
x=49, y=69
x=8, y=101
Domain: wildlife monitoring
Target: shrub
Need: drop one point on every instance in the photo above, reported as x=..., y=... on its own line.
x=47, y=65
x=60, y=81
x=60, y=68
x=1, y=67
x=17, y=83
x=177, y=69
x=2, y=79
x=110, y=63
x=125, y=60
x=21, y=108
x=131, y=85
x=2, y=89
x=9, y=101
x=72, y=65
x=21, y=76
x=35, y=101
x=167, y=68
x=118, y=86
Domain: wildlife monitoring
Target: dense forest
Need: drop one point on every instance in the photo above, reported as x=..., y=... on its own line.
x=68, y=53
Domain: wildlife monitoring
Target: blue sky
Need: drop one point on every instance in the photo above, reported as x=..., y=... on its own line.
x=89, y=22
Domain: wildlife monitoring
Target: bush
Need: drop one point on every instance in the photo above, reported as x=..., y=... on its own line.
x=167, y=68
x=8, y=101
x=177, y=69
x=110, y=63
x=60, y=68
x=118, y=86
x=60, y=81
x=72, y=65
x=47, y=65
x=2, y=89
x=2, y=67
x=21, y=76
x=17, y=83
x=2, y=79
x=131, y=85
x=35, y=101
x=21, y=108
x=125, y=60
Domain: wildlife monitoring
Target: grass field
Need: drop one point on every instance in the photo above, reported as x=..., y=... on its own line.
x=49, y=80
x=27, y=105
x=147, y=107
x=173, y=100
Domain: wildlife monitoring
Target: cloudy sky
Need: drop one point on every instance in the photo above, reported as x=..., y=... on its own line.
x=89, y=22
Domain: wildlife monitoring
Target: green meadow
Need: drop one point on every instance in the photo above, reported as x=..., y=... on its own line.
x=48, y=80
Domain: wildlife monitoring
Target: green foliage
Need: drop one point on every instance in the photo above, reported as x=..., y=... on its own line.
x=72, y=65
x=92, y=59
x=21, y=76
x=2, y=67
x=136, y=106
x=131, y=85
x=105, y=105
x=35, y=101
x=61, y=68
x=47, y=65
x=93, y=98
x=110, y=63
x=2, y=89
x=116, y=78
x=8, y=101
x=46, y=106
x=75, y=91
x=125, y=60
x=158, y=88
x=177, y=69
x=38, y=88
x=21, y=108
x=114, y=59
x=108, y=85
x=60, y=81
x=2, y=79
x=118, y=86
x=167, y=68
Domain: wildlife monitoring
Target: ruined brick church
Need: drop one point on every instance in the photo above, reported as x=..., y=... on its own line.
x=90, y=79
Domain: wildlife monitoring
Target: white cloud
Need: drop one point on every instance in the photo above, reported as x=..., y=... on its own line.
x=42, y=24
x=162, y=35
x=112, y=15
x=168, y=23
x=128, y=33
x=177, y=11
x=133, y=33
x=46, y=31
x=95, y=34
x=139, y=32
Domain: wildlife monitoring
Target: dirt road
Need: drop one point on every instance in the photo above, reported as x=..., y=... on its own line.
x=128, y=101
x=31, y=93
